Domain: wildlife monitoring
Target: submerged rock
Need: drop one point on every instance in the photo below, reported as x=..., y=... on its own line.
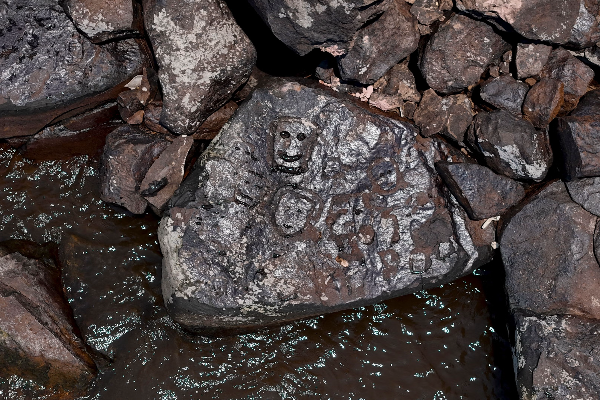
x=306, y=204
x=458, y=54
x=203, y=57
x=38, y=337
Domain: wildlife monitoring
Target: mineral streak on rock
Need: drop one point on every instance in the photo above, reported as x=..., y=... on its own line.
x=203, y=57
x=305, y=204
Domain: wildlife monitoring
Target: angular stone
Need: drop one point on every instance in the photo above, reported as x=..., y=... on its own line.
x=213, y=124
x=505, y=92
x=586, y=31
x=531, y=58
x=166, y=173
x=102, y=20
x=306, y=204
x=586, y=193
x=574, y=74
x=579, y=138
x=545, y=20
x=548, y=254
x=557, y=357
x=46, y=63
x=382, y=44
x=459, y=52
x=128, y=154
x=395, y=87
x=305, y=25
x=429, y=11
x=38, y=339
x=449, y=116
x=589, y=105
x=203, y=57
x=482, y=193
x=543, y=102
x=511, y=146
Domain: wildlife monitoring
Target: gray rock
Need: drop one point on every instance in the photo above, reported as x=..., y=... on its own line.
x=102, y=20
x=574, y=74
x=379, y=46
x=394, y=88
x=543, y=102
x=531, y=58
x=589, y=105
x=330, y=25
x=459, y=52
x=548, y=254
x=128, y=155
x=557, y=357
x=46, y=63
x=38, y=339
x=579, y=139
x=203, y=57
x=586, y=193
x=505, y=92
x=586, y=31
x=511, y=146
x=449, y=116
x=482, y=193
x=306, y=204
x=429, y=11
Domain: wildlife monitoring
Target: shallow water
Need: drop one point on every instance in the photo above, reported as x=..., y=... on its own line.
x=438, y=344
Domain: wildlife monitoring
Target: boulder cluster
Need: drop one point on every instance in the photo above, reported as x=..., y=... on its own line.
x=430, y=136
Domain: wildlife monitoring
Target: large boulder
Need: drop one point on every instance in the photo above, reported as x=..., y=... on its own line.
x=203, y=57
x=458, y=54
x=46, y=63
x=38, y=337
x=330, y=25
x=306, y=204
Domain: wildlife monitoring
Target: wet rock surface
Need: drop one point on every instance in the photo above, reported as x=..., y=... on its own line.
x=505, y=92
x=47, y=63
x=482, y=193
x=305, y=204
x=511, y=146
x=381, y=45
x=203, y=57
x=38, y=337
x=459, y=52
x=103, y=20
x=449, y=116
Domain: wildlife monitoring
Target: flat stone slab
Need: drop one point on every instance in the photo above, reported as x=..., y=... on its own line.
x=306, y=204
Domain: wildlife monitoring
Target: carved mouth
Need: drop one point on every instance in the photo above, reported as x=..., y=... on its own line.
x=287, y=158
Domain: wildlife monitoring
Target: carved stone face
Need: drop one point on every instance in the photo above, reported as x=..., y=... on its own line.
x=292, y=144
x=295, y=210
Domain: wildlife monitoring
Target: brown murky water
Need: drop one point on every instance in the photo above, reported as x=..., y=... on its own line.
x=436, y=344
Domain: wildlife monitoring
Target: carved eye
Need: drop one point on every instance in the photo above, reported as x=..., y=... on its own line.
x=301, y=136
x=284, y=134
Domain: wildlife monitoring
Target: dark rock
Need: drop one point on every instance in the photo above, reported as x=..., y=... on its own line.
x=589, y=105
x=203, y=57
x=545, y=20
x=543, y=102
x=429, y=11
x=152, y=117
x=548, y=254
x=102, y=20
x=381, y=45
x=38, y=337
x=128, y=154
x=304, y=25
x=574, y=74
x=482, y=193
x=395, y=87
x=505, y=92
x=586, y=193
x=213, y=124
x=306, y=204
x=557, y=357
x=449, y=115
x=47, y=63
x=579, y=138
x=586, y=31
x=166, y=173
x=458, y=53
x=531, y=58
x=511, y=146
x=141, y=91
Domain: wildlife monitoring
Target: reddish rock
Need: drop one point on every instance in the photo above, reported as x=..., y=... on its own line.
x=213, y=124
x=128, y=155
x=505, y=92
x=429, y=11
x=543, y=102
x=395, y=87
x=449, y=116
x=152, y=117
x=531, y=58
x=380, y=45
x=574, y=74
x=103, y=20
x=38, y=337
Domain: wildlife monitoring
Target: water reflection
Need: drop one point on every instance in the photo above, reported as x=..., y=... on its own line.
x=436, y=344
